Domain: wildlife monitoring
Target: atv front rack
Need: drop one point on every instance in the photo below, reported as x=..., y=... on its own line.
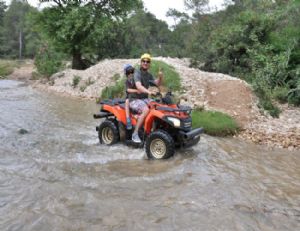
x=181, y=109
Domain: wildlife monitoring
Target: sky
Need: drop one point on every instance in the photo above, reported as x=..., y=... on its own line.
x=160, y=7
x=157, y=7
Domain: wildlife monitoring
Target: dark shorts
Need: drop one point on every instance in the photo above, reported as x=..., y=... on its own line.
x=139, y=105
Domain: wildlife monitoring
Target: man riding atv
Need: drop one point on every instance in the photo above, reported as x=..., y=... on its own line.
x=139, y=101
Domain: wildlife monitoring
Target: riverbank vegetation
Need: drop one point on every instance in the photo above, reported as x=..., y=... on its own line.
x=7, y=67
x=214, y=123
x=257, y=42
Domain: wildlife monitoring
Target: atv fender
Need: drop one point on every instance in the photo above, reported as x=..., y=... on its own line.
x=116, y=111
x=150, y=118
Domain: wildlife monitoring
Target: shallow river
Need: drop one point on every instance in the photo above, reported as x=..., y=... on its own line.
x=58, y=177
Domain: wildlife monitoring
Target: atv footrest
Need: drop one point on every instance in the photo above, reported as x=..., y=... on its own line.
x=133, y=144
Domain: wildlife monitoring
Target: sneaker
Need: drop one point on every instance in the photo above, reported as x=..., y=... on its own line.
x=136, y=138
x=128, y=124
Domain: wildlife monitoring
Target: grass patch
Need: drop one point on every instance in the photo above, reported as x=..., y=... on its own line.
x=7, y=67
x=214, y=123
x=171, y=77
x=115, y=91
x=76, y=80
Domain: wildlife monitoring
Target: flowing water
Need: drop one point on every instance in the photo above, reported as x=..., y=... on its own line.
x=54, y=175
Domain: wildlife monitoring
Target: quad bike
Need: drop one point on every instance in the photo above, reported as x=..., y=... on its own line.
x=166, y=127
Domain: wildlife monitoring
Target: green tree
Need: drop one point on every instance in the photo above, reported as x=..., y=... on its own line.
x=14, y=23
x=2, y=12
x=177, y=16
x=256, y=40
x=143, y=32
x=31, y=37
x=199, y=7
x=77, y=27
x=180, y=35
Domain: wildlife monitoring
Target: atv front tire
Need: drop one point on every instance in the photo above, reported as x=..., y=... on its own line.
x=159, y=145
x=108, y=133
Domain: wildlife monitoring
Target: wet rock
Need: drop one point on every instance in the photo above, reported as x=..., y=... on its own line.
x=23, y=131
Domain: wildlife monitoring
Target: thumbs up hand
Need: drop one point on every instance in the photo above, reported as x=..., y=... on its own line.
x=160, y=73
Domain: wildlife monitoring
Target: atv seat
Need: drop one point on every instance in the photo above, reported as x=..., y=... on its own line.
x=122, y=105
x=120, y=102
x=113, y=102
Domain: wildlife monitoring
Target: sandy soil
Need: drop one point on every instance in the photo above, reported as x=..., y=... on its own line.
x=213, y=91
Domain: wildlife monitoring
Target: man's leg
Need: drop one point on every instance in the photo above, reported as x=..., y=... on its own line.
x=141, y=119
x=139, y=106
x=135, y=135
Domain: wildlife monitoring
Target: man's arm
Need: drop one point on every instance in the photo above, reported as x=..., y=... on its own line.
x=142, y=89
x=131, y=90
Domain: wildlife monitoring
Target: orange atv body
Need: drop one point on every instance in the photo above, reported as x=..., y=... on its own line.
x=166, y=127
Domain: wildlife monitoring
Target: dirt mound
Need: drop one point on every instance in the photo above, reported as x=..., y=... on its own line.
x=90, y=81
x=215, y=91
x=232, y=97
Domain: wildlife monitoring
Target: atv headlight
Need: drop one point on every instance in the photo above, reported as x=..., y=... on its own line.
x=175, y=121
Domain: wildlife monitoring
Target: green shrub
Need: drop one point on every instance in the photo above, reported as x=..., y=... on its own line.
x=294, y=97
x=76, y=80
x=116, y=77
x=265, y=101
x=281, y=94
x=7, y=67
x=115, y=91
x=214, y=123
x=267, y=105
x=82, y=88
x=47, y=61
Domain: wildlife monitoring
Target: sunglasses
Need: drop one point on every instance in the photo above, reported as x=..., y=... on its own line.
x=146, y=61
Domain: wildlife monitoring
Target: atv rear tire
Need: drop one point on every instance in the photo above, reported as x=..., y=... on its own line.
x=159, y=145
x=108, y=133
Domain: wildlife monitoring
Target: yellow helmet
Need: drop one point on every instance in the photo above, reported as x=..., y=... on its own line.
x=146, y=56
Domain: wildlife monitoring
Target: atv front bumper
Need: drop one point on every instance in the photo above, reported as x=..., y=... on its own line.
x=190, y=138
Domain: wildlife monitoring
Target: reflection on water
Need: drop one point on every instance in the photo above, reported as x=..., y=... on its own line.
x=58, y=176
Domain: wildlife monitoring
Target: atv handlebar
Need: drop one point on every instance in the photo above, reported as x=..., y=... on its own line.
x=157, y=94
x=164, y=99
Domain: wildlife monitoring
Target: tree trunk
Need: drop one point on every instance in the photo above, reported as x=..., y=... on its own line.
x=20, y=44
x=77, y=62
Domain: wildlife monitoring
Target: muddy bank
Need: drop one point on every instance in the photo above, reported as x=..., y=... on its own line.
x=212, y=91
